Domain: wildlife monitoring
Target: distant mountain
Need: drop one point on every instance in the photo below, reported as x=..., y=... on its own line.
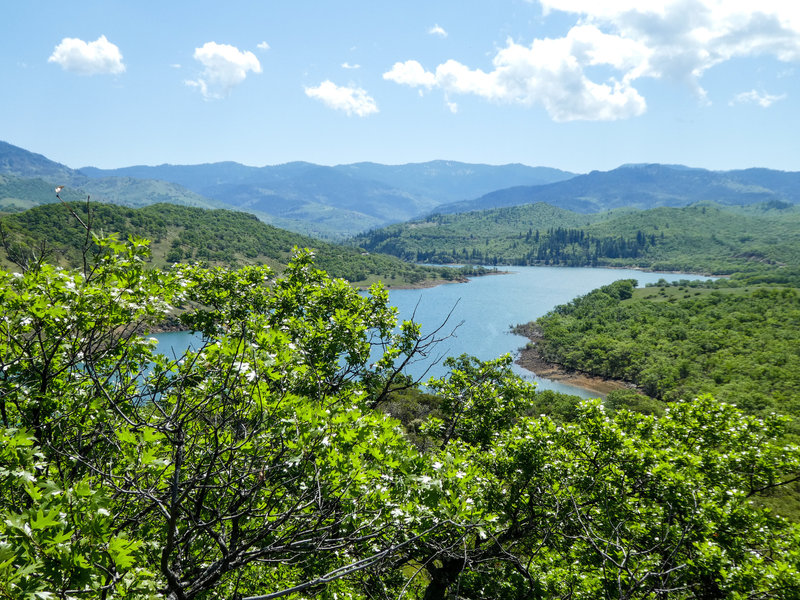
x=341, y=200
x=646, y=186
x=22, y=163
x=28, y=179
x=444, y=181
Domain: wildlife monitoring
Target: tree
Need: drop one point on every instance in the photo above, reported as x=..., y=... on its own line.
x=259, y=466
x=256, y=450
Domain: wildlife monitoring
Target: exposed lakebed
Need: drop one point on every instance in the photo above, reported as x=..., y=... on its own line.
x=487, y=308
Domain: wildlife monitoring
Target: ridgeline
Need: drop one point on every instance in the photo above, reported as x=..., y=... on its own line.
x=187, y=234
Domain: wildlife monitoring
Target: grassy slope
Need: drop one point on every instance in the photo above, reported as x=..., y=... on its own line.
x=181, y=233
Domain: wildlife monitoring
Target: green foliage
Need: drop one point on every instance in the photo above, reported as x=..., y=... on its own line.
x=479, y=399
x=679, y=341
x=703, y=237
x=181, y=234
x=643, y=507
x=260, y=466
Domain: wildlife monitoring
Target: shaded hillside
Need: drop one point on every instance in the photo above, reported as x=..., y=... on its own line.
x=704, y=237
x=181, y=234
x=24, y=174
x=646, y=186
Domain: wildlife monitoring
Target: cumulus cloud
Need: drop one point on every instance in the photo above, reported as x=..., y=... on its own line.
x=685, y=38
x=590, y=73
x=224, y=67
x=352, y=100
x=99, y=57
x=347, y=65
x=547, y=73
x=437, y=30
x=764, y=100
x=410, y=73
x=263, y=46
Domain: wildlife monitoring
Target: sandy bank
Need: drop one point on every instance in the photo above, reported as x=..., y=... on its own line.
x=530, y=358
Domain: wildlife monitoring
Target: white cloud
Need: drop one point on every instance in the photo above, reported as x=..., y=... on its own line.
x=410, y=73
x=347, y=65
x=99, y=57
x=224, y=67
x=546, y=73
x=764, y=100
x=685, y=38
x=437, y=30
x=352, y=100
x=591, y=72
x=263, y=46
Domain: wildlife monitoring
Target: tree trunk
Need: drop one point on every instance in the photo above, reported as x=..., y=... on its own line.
x=442, y=578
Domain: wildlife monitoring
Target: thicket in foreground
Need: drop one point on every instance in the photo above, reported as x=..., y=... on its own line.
x=260, y=466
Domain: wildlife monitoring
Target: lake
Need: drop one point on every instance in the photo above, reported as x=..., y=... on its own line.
x=487, y=307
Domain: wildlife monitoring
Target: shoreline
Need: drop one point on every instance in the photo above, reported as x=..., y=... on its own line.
x=530, y=358
x=431, y=283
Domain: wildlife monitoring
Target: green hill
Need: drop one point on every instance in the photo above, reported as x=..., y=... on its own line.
x=704, y=237
x=180, y=233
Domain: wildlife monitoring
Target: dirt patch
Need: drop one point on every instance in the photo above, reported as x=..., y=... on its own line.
x=531, y=359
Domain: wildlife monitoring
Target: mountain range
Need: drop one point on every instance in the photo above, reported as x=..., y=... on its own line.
x=340, y=201
x=329, y=201
x=644, y=186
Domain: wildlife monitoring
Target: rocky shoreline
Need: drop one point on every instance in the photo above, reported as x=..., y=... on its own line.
x=531, y=359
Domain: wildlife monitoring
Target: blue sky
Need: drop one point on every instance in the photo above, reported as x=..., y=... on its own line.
x=573, y=84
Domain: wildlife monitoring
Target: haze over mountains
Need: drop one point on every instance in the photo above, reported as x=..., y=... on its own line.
x=644, y=186
x=343, y=200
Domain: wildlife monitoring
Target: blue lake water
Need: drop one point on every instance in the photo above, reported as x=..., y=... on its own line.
x=487, y=307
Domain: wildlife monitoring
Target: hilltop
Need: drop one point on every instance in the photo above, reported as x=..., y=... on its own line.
x=27, y=180
x=187, y=234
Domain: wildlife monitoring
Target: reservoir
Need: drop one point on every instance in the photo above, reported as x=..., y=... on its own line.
x=485, y=308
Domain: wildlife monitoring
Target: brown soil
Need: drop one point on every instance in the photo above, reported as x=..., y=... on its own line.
x=530, y=358
x=429, y=283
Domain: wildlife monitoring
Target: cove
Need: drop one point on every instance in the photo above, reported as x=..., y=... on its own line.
x=485, y=308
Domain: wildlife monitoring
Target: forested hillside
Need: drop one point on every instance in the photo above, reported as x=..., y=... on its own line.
x=263, y=464
x=738, y=339
x=700, y=238
x=180, y=234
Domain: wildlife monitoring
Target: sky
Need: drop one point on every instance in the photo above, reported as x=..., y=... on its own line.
x=573, y=84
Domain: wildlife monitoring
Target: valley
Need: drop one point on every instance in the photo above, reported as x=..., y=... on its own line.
x=303, y=370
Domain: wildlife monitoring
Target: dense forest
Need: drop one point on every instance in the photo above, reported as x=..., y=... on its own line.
x=700, y=238
x=181, y=234
x=737, y=338
x=264, y=464
x=290, y=455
